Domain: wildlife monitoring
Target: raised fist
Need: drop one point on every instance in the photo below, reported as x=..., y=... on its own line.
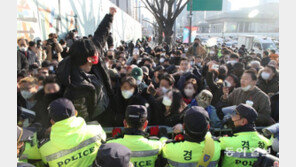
x=112, y=10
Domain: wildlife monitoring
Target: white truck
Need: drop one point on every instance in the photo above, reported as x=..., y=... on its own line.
x=258, y=44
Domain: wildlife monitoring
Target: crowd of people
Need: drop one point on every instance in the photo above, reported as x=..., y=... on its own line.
x=69, y=90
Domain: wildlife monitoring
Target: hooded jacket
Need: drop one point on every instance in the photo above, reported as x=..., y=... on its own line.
x=72, y=143
x=91, y=93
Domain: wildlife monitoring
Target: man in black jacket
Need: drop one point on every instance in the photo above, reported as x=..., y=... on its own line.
x=84, y=77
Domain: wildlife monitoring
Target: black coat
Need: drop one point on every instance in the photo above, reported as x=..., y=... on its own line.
x=157, y=115
x=41, y=106
x=215, y=88
x=274, y=100
x=121, y=105
x=22, y=62
x=87, y=90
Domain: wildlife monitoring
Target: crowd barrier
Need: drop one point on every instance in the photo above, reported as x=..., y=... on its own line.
x=214, y=131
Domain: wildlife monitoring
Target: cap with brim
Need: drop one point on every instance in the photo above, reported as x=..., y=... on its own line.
x=113, y=154
x=61, y=109
x=23, y=134
x=135, y=113
x=196, y=120
x=247, y=112
x=137, y=73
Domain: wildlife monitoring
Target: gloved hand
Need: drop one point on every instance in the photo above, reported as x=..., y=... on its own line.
x=116, y=131
x=153, y=131
x=179, y=137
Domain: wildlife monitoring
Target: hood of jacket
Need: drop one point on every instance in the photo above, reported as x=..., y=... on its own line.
x=64, y=71
x=68, y=132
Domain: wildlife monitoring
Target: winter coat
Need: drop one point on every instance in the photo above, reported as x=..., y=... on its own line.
x=122, y=103
x=214, y=119
x=157, y=115
x=31, y=57
x=261, y=103
x=215, y=88
x=275, y=107
x=91, y=93
x=271, y=86
x=200, y=51
x=22, y=62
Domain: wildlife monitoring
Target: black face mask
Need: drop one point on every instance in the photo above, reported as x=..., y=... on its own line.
x=52, y=96
x=228, y=122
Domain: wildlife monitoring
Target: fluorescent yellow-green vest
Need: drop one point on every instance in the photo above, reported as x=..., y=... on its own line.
x=144, y=151
x=187, y=154
x=72, y=143
x=239, y=148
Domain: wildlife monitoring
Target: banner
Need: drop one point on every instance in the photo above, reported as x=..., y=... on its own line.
x=186, y=34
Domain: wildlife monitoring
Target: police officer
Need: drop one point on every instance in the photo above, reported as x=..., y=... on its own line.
x=144, y=151
x=23, y=135
x=198, y=147
x=71, y=142
x=239, y=149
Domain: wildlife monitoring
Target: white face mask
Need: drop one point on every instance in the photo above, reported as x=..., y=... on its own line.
x=198, y=64
x=232, y=62
x=26, y=94
x=246, y=88
x=127, y=93
x=164, y=90
x=212, y=52
x=265, y=75
x=50, y=68
x=185, y=49
x=24, y=49
x=139, y=82
x=166, y=101
x=161, y=60
x=189, y=92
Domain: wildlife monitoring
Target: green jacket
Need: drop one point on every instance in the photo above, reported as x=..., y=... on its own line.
x=144, y=151
x=188, y=153
x=72, y=143
x=238, y=150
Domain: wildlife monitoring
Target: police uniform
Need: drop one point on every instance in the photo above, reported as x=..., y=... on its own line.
x=23, y=135
x=189, y=152
x=72, y=142
x=239, y=149
x=144, y=151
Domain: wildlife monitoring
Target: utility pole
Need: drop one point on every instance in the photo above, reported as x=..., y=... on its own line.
x=190, y=21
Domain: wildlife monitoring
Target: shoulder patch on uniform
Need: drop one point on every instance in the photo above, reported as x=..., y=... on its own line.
x=43, y=141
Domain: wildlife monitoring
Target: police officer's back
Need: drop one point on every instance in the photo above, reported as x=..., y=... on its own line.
x=144, y=151
x=198, y=148
x=72, y=142
x=239, y=149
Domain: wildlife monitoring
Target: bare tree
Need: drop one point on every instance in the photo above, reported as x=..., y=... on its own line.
x=165, y=15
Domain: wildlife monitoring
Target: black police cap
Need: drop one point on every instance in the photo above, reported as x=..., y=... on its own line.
x=247, y=112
